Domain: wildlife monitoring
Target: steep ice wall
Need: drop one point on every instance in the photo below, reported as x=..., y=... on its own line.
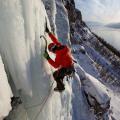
x=21, y=24
x=13, y=44
x=62, y=23
x=5, y=92
x=58, y=17
x=50, y=7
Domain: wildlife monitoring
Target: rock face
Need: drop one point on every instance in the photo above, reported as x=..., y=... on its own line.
x=73, y=13
x=97, y=96
x=96, y=93
x=79, y=33
x=77, y=26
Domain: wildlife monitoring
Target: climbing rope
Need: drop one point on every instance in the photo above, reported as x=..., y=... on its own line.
x=39, y=104
x=44, y=102
x=46, y=44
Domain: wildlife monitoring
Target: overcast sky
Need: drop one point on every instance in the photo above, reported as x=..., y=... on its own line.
x=105, y=11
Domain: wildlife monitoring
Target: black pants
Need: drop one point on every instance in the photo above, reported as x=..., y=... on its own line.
x=60, y=74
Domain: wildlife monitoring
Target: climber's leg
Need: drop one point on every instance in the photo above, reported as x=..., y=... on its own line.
x=58, y=76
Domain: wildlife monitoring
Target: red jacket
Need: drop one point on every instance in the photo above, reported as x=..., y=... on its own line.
x=63, y=56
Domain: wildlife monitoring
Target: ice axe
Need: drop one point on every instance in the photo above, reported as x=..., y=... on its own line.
x=42, y=36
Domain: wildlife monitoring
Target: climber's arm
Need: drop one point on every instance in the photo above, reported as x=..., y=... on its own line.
x=54, y=39
x=53, y=63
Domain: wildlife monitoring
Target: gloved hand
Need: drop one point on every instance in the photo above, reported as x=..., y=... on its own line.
x=47, y=30
x=46, y=55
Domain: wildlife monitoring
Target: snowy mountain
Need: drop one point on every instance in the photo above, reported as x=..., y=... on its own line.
x=86, y=95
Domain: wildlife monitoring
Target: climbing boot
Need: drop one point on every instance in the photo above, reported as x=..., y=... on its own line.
x=59, y=89
x=60, y=86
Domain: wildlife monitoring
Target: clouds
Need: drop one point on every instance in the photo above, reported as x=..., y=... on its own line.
x=105, y=11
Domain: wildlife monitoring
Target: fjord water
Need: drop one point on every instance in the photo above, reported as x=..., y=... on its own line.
x=110, y=35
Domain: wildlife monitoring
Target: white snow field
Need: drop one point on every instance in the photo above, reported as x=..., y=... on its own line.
x=5, y=93
x=93, y=87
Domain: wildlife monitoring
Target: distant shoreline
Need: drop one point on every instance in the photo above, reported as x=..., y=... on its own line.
x=113, y=25
x=110, y=47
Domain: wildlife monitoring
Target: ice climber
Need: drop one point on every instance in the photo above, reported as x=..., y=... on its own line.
x=63, y=61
